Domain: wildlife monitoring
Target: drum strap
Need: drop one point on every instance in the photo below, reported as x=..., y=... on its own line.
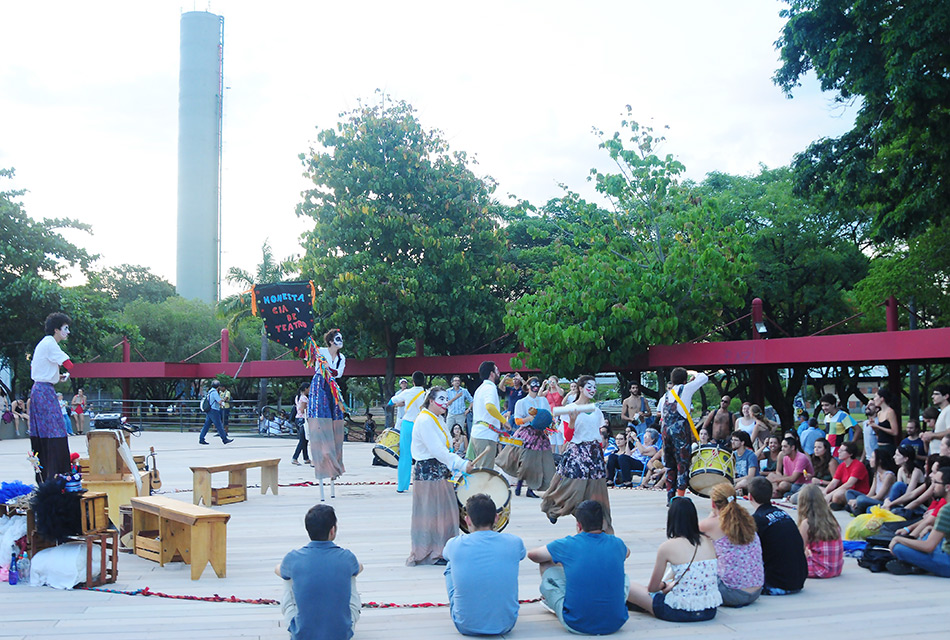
x=686, y=411
x=492, y=427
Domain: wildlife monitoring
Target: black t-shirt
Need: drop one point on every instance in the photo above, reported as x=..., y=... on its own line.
x=783, y=551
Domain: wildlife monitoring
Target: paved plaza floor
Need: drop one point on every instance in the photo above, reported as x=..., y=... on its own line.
x=374, y=524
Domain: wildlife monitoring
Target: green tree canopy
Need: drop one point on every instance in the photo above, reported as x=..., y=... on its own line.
x=403, y=244
x=127, y=283
x=892, y=58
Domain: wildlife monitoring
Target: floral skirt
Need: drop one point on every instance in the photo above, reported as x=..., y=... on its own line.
x=583, y=460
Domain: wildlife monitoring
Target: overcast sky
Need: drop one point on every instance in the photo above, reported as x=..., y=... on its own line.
x=89, y=100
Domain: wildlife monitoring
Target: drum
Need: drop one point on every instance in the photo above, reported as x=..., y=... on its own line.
x=387, y=447
x=710, y=466
x=491, y=483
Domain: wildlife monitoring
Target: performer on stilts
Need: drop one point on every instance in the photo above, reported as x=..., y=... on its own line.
x=582, y=473
x=678, y=430
x=411, y=399
x=435, y=513
x=532, y=462
x=48, y=437
x=325, y=411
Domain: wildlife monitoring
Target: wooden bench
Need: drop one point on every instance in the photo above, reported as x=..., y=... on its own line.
x=236, y=491
x=165, y=529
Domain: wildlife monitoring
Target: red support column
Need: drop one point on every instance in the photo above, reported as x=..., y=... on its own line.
x=225, y=342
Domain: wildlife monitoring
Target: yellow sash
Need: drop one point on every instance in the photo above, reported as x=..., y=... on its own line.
x=686, y=411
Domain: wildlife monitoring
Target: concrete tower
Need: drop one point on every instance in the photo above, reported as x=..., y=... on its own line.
x=200, y=96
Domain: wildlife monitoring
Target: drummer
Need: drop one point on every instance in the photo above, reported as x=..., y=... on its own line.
x=533, y=462
x=677, y=429
x=435, y=513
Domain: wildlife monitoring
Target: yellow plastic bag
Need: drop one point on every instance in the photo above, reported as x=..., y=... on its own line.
x=867, y=524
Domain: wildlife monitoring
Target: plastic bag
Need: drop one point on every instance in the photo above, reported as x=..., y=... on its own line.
x=868, y=524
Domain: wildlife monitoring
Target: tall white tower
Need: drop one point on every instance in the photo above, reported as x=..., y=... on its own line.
x=200, y=99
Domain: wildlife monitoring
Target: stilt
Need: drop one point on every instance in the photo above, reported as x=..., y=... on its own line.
x=322, y=498
x=332, y=489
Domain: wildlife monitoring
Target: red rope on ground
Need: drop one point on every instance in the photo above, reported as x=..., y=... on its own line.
x=421, y=605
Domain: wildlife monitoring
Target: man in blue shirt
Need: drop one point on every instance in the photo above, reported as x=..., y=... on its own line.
x=809, y=435
x=582, y=578
x=214, y=416
x=322, y=577
x=482, y=575
x=460, y=403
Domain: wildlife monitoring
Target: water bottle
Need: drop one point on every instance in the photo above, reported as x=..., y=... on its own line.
x=23, y=567
x=12, y=576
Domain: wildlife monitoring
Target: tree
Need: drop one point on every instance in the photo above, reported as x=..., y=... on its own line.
x=654, y=269
x=128, y=282
x=892, y=57
x=403, y=244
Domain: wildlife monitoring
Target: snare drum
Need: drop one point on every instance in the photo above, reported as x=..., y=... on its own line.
x=491, y=483
x=710, y=466
x=387, y=447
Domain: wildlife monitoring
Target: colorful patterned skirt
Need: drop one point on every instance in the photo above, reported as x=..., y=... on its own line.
x=435, y=513
x=48, y=431
x=581, y=475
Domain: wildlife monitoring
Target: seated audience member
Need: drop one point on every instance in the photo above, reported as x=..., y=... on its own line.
x=810, y=435
x=621, y=461
x=691, y=593
x=932, y=552
x=823, y=465
x=783, y=551
x=909, y=475
x=770, y=454
x=582, y=578
x=481, y=577
x=851, y=474
x=633, y=457
x=921, y=513
x=738, y=548
x=885, y=475
x=765, y=425
x=914, y=440
x=747, y=464
x=821, y=534
x=650, y=453
x=796, y=468
x=320, y=596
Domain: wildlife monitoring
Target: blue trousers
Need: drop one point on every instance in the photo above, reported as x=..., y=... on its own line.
x=936, y=562
x=214, y=416
x=404, y=470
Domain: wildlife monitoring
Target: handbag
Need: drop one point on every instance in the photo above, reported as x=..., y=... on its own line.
x=8, y=416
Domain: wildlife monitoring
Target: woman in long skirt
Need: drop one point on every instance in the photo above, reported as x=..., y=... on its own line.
x=435, y=513
x=582, y=473
x=48, y=437
x=324, y=414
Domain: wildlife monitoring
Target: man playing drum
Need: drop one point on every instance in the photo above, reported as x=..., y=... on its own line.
x=677, y=433
x=435, y=513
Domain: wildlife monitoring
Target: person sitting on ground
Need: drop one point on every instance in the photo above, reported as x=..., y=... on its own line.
x=320, y=597
x=783, y=551
x=770, y=454
x=885, y=475
x=909, y=475
x=821, y=534
x=481, y=577
x=690, y=594
x=621, y=461
x=919, y=522
x=459, y=441
x=796, y=468
x=809, y=435
x=704, y=439
x=823, y=465
x=738, y=548
x=648, y=452
x=932, y=552
x=765, y=426
x=582, y=577
x=914, y=440
x=747, y=464
x=851, y=474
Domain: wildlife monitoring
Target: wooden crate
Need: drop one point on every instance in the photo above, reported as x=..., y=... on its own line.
x=229, y=494
x=94, y=512
x=139, y=462
x=148, y=545
x=104, y=546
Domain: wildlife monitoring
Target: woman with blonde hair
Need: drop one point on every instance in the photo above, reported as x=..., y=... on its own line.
x=738, y=548
x=821, y=534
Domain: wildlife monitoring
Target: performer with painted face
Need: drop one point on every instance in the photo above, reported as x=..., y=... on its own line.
x=532, y=462
x=48, y=437
x=325, y=411
x=582, y=473
x=435, y=513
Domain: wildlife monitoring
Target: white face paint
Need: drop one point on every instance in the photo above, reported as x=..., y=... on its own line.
x=338, y=340
x=590, y=389
x=64, y=330
x=441, y=399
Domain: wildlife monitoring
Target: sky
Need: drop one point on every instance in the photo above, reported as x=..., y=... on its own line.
x=89, y=101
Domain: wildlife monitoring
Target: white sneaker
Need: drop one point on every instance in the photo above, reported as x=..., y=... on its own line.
x=295, y=462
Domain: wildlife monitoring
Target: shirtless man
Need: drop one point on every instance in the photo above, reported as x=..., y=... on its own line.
x=635, y=410
x=720, y=424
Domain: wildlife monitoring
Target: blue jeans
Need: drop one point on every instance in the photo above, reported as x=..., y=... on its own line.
x=936, y=562
x=897, y=490
x=404, y=470
x=863, y=502
x=213, y=416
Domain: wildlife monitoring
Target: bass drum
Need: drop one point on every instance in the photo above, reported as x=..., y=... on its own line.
x=387, y=447
x=487, y=481
x=710, y=466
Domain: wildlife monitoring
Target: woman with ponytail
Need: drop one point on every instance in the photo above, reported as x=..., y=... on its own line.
x=739, y=551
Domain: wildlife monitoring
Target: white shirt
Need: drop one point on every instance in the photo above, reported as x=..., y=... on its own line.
x=47, y=356
x=487, y=393
x=941, y=426
x=587, y=426
x=338, y=363
x=413, y=397
x=527, y=402
x=688, y=390
x=430, y=439
x=870, y=437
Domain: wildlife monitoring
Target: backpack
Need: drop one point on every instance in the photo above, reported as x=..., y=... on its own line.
x=206, y=403
x=875, y=559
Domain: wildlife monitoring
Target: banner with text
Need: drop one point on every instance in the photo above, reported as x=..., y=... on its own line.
x=286, y=309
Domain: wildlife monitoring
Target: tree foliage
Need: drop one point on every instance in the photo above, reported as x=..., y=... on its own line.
x=658, y=267
x=403, y=244
x=127, y=283
x=893, y=58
